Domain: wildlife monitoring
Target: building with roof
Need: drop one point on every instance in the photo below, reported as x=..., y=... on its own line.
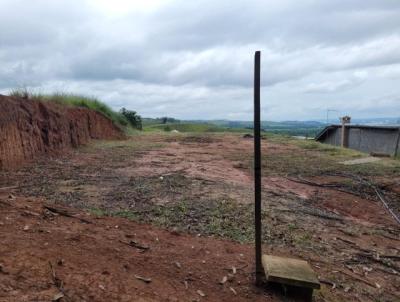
x=365, y=138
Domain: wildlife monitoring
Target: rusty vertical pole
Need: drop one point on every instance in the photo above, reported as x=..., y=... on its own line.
x=257, y=167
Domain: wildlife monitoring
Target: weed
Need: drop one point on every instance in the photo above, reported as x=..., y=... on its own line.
x=97, y=212
x=292, y=226
x=125, y=214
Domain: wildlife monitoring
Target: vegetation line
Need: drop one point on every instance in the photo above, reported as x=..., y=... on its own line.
x=125, y=119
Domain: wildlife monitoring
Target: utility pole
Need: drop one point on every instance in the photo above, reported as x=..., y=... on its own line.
x=257, y=166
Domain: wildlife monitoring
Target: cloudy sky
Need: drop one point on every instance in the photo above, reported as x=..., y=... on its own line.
x=194, y=59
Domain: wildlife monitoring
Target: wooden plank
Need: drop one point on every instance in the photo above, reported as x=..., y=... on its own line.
x=289, y=271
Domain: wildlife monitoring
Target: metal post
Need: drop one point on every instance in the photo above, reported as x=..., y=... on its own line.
x=257, y=167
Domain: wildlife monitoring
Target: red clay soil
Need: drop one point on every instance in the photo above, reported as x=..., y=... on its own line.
x=29, y=127
x=49, y=255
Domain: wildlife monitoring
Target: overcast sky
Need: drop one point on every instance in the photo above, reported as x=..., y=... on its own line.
x=194, y=59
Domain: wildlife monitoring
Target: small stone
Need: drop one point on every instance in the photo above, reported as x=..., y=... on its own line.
x=26, y=228
x=201, y=294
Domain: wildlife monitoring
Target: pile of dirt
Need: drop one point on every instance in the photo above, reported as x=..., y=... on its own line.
x=29, y=127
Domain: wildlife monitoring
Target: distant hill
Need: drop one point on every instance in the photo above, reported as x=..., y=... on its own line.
x=293, y=128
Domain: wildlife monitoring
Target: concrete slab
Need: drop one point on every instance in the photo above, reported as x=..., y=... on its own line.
x=359, y=161
x=289, y=271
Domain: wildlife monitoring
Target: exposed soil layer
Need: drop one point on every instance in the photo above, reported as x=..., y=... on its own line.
x=28, y=128
x=50, y=255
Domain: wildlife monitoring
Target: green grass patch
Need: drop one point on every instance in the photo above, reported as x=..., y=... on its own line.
x=183, y=127
x=329, y=149
x=97, y=212
x=132, y=144
x=225, y=218
x=192, y=127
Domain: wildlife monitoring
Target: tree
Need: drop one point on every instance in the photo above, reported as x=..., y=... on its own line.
x=134, y=119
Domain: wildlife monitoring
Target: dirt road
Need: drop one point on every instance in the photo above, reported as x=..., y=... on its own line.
x=199, y=188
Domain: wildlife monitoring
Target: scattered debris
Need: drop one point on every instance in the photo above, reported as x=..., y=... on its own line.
x=201, y=293
x=2, y=270
x=145, y=280
x=65, y=213
x=58, y=296
x=57, y=282
x=352, y=275
x=327, y=282
x=60, y=262
x=135, y=244
x=223, y=280
x=380, y=154
x=358, y=161
x=8, y=188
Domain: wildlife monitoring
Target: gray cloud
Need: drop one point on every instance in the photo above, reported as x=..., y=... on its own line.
x=194, y=58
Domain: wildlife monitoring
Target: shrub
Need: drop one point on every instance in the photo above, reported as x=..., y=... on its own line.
x=132, y=117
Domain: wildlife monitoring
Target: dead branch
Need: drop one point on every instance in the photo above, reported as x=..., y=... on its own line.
x=58, y=283
x=378, y=259
x=351, y=275
x=65, y=213
x=331, y=186
x=8, y=188
x=384, y=202
x=145, y=280
x=136, y=245
x=327, y=282
x=5, y=203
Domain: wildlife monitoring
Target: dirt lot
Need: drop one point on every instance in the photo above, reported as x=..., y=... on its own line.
x=188, y=198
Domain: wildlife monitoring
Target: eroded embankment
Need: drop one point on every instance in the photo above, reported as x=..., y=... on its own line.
x=29, y=128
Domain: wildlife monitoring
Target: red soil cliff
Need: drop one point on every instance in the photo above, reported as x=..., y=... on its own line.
x=29, y=128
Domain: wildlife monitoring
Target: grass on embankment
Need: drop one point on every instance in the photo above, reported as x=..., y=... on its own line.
x=76, y=100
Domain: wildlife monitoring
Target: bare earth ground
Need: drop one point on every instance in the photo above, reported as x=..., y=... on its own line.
x=178, y=209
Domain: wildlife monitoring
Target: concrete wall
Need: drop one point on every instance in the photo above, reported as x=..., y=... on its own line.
x=368, y=140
